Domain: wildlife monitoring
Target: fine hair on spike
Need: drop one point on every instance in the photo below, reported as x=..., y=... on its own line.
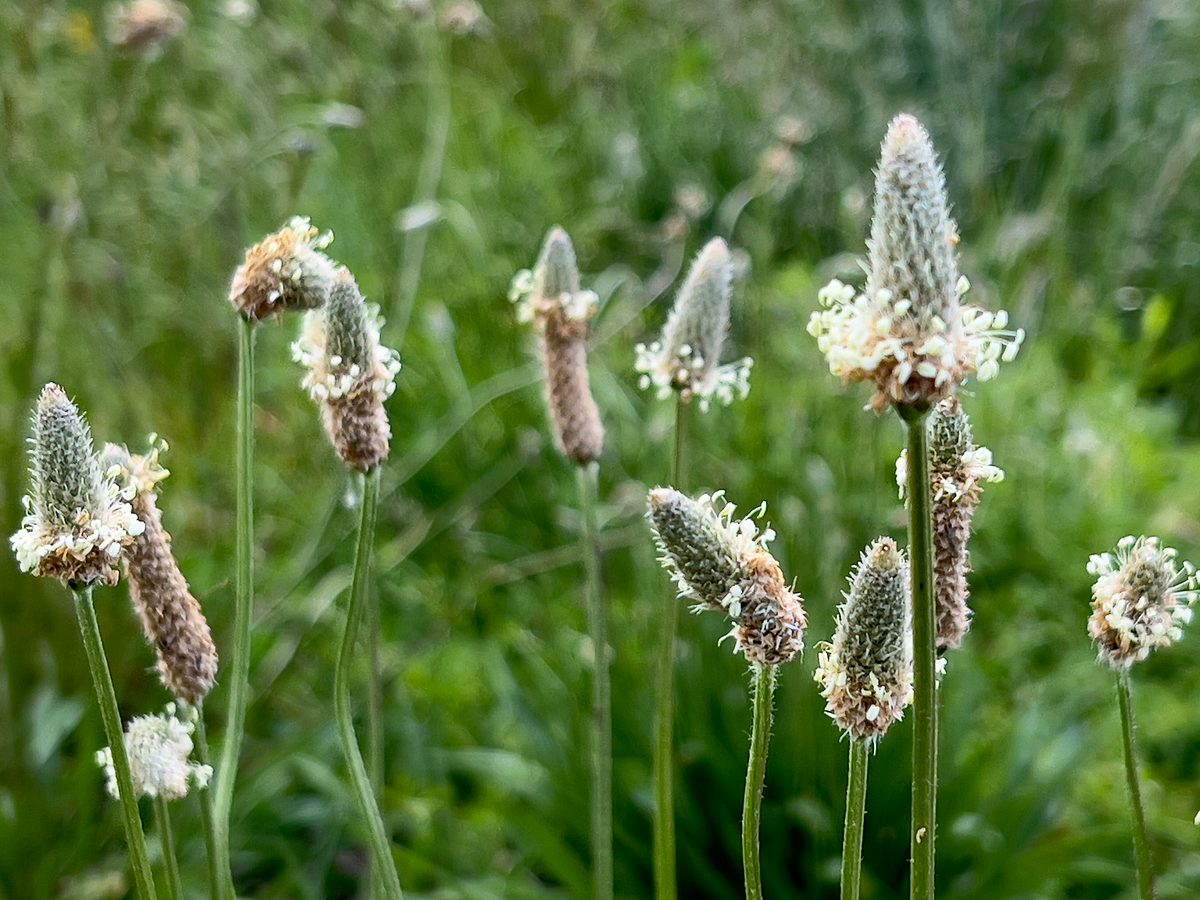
x=286, y=271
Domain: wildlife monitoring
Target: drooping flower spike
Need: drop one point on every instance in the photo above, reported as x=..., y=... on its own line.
x=687, y=358
x=1141, y=600
x=78, y=521
x=908, y=332
x=287, y=271
x=722, y=563
x=159, y=748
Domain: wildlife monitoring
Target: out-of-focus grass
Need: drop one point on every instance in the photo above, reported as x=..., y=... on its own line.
x=128, y=189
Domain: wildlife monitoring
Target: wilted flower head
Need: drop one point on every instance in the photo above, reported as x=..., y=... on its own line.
x=687, y=357
x=1141, y=600
x=171, y=617
x=957, y=470
x=146, y=25
x=285, y=272
x=908, y=332
x=722, y=563
x=158, y=749
x=551, y=298
x=866, y=672
x=350, y=373
x=77, y=521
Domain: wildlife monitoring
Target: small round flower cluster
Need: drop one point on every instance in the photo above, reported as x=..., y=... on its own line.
x=724, y=383
x=286, y=271
x=1141, y=600
x=158, y=749
x=146, y=26
x=722, y=563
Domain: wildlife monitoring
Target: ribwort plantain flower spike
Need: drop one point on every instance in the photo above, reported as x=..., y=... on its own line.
x=77, y=520
x=866, y=672
x=146, y=26
x=551, y=298
x=171, y=617
x=687, y=358
x=159, y=748
x=908, y=332
x=1141, y=600
x=287, y=271
x=722, y=563
x=350, y=373
x=958, y=470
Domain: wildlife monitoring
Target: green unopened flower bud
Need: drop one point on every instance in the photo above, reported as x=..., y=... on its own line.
x=865, y=673
x=285, y=272
x=77, y=521
x=158, y=749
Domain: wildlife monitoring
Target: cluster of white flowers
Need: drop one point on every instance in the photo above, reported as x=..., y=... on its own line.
x=138, y=474
x=723, y=383
x=158, y=749
x=576, y=306
x=1141, y=599
x=975, y=468
x=743, y=534
x=109, y=528
x=331, y=377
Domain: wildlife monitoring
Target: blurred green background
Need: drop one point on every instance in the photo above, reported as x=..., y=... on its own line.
x=439, y=140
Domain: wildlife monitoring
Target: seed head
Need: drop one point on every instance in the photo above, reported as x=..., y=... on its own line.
x=158, y=749
x=285, y=272
x=551, y=298
x=1141, y=600
x=77, y=520
x=722, y=563
x=171, y=617
x=350, y=373
x=908, y=333
x=687, y=358
x=146, y=26
x=865, y=673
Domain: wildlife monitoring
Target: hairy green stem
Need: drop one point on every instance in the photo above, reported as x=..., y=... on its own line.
x=664, y=740
x=602, y=840
x=756, y=770
x=239, y=686
x=368, y=806
x=1141, y=843
x=106, y=697
x=924, y=625
x=856, y=809
x=374, y=717
x=220, y=880
x=166, y=836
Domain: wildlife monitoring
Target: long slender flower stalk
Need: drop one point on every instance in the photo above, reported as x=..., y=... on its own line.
x=721, y=563
x=911, y=336
x=550, y=297
x=1141, y=600
x=220, y=879
x=166, y=836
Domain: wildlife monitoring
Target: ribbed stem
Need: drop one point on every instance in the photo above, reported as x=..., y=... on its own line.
x=756, y=770
x=374, y=718
x=602, y=840
x=664, y=749
x=1141, y=843
x=166, y=836
x=220, y=880
x=367, y=805
x=924, y=625
x=239, y=680
x=106, y=697
x=856, y=809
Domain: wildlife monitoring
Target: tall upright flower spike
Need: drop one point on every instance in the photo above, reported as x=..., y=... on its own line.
x=551, y=298
x=77, y=520
x=1141, y=600
x=158, y=748
x=287, y=271
x=908, y=332
x=350, y=373
x=722, y=563
x=687, y=358
x=865, y=673
x=958, y=470
x=171, y=617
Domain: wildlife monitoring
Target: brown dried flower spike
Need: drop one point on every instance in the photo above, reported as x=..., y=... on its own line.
x=285, y=272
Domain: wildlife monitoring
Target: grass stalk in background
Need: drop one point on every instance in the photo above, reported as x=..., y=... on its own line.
x=220, y=880
x=756, y=770
x=602, y=811
x=106, y=697
x=1141, y=843
x=925, y=710
x=664, y=741
x=381, y=852
x=856, y=808
x=166, y=836
x=374, y=716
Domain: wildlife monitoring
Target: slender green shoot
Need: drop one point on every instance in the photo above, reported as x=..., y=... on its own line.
x=856, y=809
x=166, y=836
x=756, y=770
x=381, y=850
x=106, y=697
x=925, y=710
x=1141, y=843
x=374, y=716
x=220, y=879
